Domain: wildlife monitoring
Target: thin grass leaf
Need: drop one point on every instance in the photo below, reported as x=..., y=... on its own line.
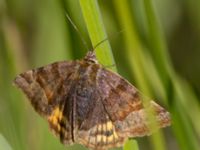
x=52, y=39
x=157, y=42
x=163, y=64
x=185, y=98
x=136, y=57
x=94, y=23
x=11, y=124
x=4, y=144
x=131, y=145
x=132, y=43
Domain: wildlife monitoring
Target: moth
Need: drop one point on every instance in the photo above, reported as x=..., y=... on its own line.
x=88, y=104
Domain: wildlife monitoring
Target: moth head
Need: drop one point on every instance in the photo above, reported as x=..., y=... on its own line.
x=91, y=57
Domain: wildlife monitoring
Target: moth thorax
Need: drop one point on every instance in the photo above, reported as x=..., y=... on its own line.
x=91, y=57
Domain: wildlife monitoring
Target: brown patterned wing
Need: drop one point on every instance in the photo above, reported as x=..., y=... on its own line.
x=47, y=88
x=124, y=107
x=97, y=131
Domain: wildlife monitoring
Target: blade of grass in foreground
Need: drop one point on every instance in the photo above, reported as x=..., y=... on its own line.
x=136, y=57
x=182, y=127
x=157, y=42
x=131, y=145
x=11, y=115
x=97, y=33
x=92, y=16
x=4, y=144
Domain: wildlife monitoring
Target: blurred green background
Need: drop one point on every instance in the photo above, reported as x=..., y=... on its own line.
x=155, y=44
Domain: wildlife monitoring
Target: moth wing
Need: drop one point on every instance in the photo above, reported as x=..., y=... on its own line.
x=97, y=132
x=124, y=106
x=46, y=88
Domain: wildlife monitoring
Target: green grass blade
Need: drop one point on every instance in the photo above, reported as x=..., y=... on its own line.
x=94, y=22
x=11, y=115
x=131, y=145
x=136, y=57
x=51, y=40
x=182, y=127
x=132, y=43
x=157, y=42
x=4, y=144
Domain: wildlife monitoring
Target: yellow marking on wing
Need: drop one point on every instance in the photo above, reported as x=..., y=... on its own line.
x=99, y=129
x=104, y=138
x=99, y=138
x=109, y=125
x=102, y=135
x=55, y=118
x=104, y=127
x=110, y=138
x=115, y=135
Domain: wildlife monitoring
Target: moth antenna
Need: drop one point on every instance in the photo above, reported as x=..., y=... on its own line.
x=78, y=31
x=99, y=43
x=102, y=41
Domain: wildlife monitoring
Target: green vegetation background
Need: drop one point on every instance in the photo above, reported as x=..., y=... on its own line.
x=155, y=45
